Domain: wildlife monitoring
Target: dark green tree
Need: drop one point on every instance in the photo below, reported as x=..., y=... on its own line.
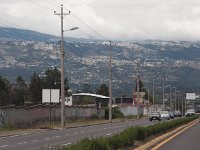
x=35, y=89
x=19, y=91
x=52, y=80
x=86, y=88
x=102, y=90
x=4, y=91
x=141, y=86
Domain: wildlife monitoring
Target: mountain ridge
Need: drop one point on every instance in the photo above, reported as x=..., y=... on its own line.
x=87, y=62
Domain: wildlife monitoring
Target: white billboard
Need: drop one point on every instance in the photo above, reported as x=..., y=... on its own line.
x=45, y=95
x=50, y=95
x=190, y=96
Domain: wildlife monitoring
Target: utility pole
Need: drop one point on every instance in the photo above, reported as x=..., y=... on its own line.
x=62, y=68
x=178, y=100
x=170, y=97
x=185, y=104
x=138, y=89
x=163, y=92
x=110, y=84
x=182, y=105
x=175, y=100
x=153, y=96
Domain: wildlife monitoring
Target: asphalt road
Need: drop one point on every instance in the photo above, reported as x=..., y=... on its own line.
x=45, y=138
x=187, y=140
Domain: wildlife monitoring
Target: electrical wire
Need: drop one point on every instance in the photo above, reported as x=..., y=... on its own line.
x=89, y=27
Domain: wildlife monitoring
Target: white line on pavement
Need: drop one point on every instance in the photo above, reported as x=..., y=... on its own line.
x=35, y=140
x=108, y=134
x=4, y=146
x=67, y=144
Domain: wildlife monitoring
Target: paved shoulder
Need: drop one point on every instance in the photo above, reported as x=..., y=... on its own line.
x=188, y=140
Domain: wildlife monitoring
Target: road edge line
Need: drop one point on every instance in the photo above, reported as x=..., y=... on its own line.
x=161, y=137
x=173, y=136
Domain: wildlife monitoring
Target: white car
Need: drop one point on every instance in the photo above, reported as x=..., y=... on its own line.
x=190, y=112
x=164, y=115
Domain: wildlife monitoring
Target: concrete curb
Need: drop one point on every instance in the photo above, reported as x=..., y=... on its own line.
x=157, y=140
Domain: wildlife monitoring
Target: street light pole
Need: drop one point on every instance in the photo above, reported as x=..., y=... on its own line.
x=62, y=74
x=175, y=100
x=153, y=96
x=163, y=92
x=138, y=89
x=110, y=85
x=170, y=97
x=62, y=68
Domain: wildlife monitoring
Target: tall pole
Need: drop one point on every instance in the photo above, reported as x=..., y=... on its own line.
x=138, y=89
x=170, y=97
x=185, y=105
x=110, y=85
x=182, y=105
x=178, y=100
x=62, y=69
x=62, y=74
x=175, y=100
x=153, y=96
x=163, y=92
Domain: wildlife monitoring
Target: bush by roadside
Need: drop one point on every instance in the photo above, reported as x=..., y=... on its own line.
x=128, y=136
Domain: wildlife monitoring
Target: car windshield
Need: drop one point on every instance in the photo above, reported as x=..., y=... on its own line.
x=164, y=112
x=155, y=113
x=190, y=110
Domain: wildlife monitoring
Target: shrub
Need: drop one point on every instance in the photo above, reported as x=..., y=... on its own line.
x=116, y=113
x=123, y=139
x=128, y=136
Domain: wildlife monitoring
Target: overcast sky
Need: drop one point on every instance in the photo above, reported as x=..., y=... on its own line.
x=114, y=19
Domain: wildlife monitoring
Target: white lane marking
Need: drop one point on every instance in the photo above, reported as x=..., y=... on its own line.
x=108, y=134
x=35, y=140
x=47, y=138
x=57, y=136
x=104, y=128
x=25, y=142
x=14, y=135
x=4, y=146
x=67, y=144
x=20, y=143
x=26, y=133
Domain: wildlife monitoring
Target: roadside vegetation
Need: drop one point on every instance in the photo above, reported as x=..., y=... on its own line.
x=128, y=137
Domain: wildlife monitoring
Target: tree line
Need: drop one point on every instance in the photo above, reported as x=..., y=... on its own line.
x=23, y=93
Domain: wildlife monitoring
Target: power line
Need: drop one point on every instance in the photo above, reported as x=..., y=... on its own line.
x=89, y=27
x=42, y=6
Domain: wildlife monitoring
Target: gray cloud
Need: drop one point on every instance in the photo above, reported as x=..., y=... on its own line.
x=119, y=19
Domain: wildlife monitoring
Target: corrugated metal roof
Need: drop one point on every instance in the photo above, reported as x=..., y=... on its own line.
x=89, y=94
